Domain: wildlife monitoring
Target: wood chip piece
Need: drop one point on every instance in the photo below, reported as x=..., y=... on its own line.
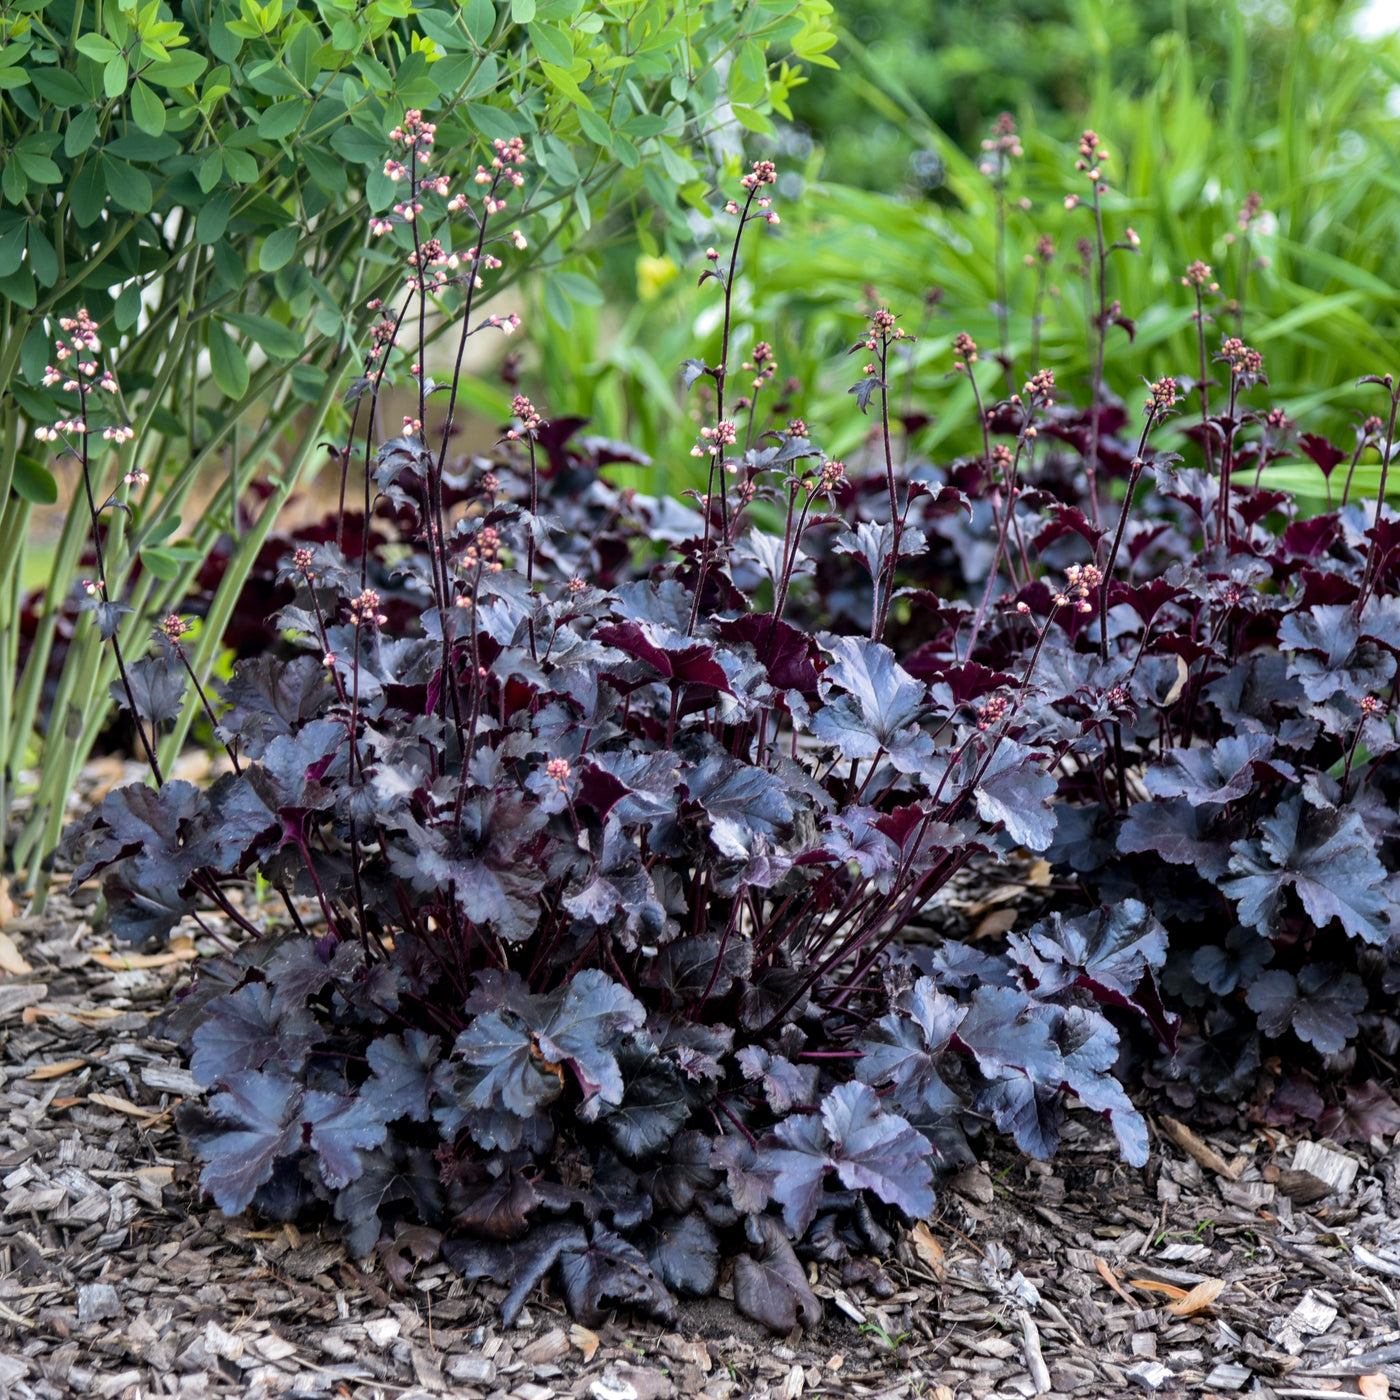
x=1035, y=1358
x=120, y=1105
x=1376, y=1387
x=97, y=1301
x=550, y=1347
x=21, y=996
x=1151, y=1375
x=1228, y=1376
x=1111, y=1279
x=1337, y=1169
x=129, y=962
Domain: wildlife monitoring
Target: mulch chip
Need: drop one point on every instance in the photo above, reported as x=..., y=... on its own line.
x=1079, y=1277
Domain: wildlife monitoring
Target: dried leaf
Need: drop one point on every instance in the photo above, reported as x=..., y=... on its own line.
x=928, y=1250
x=1152, y=1286
x=127, y=962
x=120, y=1105
x=1111, y=1279
x=1198, y=1299
x=57, y=1070
x=10, y=959
x=1192, y=1145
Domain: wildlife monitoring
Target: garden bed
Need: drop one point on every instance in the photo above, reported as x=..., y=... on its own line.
x=116, y=1279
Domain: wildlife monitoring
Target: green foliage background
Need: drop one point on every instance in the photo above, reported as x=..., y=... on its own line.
x=1291, y=104
x=201, y=177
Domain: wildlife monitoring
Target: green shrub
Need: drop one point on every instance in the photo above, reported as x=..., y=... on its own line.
x=1314, y=274
x=201, y=180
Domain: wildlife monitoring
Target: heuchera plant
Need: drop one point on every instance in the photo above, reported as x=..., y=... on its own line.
x=612, y=811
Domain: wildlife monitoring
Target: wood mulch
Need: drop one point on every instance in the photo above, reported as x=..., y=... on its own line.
x=1210, y=1272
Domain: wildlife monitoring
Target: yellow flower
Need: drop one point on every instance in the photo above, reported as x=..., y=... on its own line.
x=652, y=275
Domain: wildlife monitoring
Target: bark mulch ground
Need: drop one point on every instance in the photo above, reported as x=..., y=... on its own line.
x=1217, y=1270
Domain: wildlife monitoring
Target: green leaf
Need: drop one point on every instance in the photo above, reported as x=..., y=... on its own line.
x=19, y=288
x=562, y=79
x=114, y=77
x=13, y=184
x=276, y=340
x=11, y=248
x=97, y=47
x=147, y=109
x=750, y=119
x=87, y=194
x=42, y=257
x=480, y=18
x=522, y=11
x=281, y=119
x=212, y=219
x=557, y=305
x=240, y=166
x=491, y=122
x=594, y=127
x=330, y=174
x=579, y=288
x=625, y=151
x=357, y=146
x=227, y=362
x=441, y=30
x=80, y=132
x=211, y=170
x=278, y=248
x=183, y=69
x=33, y=482
x=128, y=186
x=128, y=308
x=552, y=44
x=60, y=87
x=308, y=382
x=165, y=562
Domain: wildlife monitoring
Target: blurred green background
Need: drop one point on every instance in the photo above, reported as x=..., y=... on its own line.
x=1199, y=104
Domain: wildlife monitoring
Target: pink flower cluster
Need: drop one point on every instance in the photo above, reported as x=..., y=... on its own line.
x=81, y=372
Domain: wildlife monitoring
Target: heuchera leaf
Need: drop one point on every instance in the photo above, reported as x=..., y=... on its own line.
x=903, y=1049
x=1221, y=774
x=872, y=704
x=683, y=1250
x=1328, y=654
x=400, y=1084
x=244, y=1031
x=740, y=800
x=1327, y=857
x=1088, y=1046
x=1319, y=1005
x=340, y=1126
x=1015, y=791
x=520, y=1051
x=867, y=1148
x=1112, y=953
x=772, y=1286
x=1366, y=1112
x=1178, y=832
x=248, y=1127
x=611, y=1273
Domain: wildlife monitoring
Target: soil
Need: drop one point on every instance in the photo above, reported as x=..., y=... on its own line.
x=1216, y=1270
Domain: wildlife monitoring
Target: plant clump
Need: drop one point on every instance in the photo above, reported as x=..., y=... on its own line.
x=613, y=810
